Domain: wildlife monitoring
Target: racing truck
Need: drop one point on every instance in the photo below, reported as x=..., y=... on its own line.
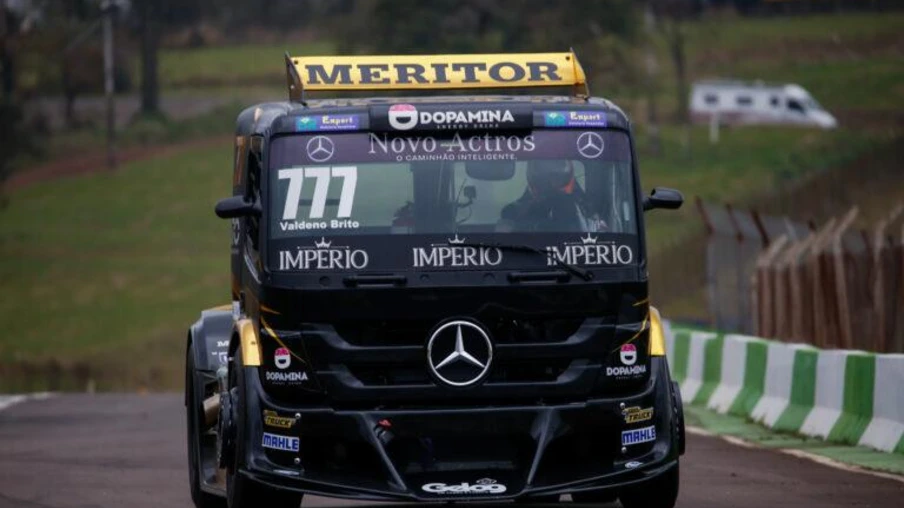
x=437, y=295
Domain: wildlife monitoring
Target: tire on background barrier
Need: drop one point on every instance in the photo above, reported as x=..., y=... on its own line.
x=241, y=491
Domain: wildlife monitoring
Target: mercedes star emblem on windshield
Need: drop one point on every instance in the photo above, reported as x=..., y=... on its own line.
x=590, y=145
x=459, y=353
x=320, y=148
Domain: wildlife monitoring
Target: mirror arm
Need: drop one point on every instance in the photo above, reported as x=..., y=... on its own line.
x=237, y=206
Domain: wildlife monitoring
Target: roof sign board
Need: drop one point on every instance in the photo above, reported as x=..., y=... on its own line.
x=426, y=72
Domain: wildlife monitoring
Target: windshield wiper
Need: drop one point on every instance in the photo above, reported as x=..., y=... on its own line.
x=574, y=270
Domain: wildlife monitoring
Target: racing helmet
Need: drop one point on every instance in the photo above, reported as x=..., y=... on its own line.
x=550, y=176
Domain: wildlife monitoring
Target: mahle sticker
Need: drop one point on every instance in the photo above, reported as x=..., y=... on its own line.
x=284, y=443
x=638, y=436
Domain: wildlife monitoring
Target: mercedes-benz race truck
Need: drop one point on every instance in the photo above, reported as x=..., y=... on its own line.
x=434, y=297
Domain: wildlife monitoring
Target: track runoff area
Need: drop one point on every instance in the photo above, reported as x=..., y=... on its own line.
x=129, y=450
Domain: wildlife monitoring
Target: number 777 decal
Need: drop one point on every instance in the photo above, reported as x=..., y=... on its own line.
x=323, y=177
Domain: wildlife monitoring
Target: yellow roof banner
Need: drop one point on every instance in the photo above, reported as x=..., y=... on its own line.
x=415, y=72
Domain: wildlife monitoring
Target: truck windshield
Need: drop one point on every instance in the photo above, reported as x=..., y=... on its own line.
x=368, y=183
x=533, y=187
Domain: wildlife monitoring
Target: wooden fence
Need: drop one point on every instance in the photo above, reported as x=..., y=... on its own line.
x=836, y=288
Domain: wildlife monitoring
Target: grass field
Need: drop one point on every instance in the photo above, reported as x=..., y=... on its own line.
x=746, y=164
x=232, y=65
x=110, y=269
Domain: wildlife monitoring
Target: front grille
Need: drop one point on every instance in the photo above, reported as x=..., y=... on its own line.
x=529, y=371
x=381, y=333
x=390, y=375
x=384, y=362
x=413, y=332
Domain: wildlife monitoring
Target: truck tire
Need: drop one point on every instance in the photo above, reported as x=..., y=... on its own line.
x=241, y=491
x=200, y=498
x=660, y=492
x=678, y=408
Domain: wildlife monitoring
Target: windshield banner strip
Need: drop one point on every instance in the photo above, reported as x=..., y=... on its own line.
x=605, y=146
x=363, y=253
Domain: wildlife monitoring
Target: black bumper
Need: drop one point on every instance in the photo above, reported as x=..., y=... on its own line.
x=530, y=450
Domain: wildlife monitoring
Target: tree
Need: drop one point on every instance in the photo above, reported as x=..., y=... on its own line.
x=651, y=85
x=670, y=16
x=18, y=138
x=149, y=12
x=8, y=31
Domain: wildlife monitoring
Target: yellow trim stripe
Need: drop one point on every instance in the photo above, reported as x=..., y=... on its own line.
x=657, y=337
x=268, y=310
x=251, y=346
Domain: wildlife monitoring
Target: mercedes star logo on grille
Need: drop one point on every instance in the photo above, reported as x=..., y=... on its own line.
x=459, y=353
x=320, y=148
x=590, y=145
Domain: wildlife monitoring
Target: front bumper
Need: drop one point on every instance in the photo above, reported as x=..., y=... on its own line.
x=438, y=454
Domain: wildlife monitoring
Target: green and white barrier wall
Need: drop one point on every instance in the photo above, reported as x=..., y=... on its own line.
x=849, y=397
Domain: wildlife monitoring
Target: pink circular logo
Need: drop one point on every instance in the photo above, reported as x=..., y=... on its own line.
x=282, y=357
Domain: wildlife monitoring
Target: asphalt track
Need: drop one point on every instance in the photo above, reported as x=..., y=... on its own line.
x=129, y=451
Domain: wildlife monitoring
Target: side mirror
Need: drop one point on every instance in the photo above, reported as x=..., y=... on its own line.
x=236, y=206
x=663, y=197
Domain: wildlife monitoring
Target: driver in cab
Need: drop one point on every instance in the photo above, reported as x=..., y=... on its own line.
x=552, y=201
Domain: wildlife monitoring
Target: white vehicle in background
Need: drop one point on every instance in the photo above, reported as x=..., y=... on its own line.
x=738, y=103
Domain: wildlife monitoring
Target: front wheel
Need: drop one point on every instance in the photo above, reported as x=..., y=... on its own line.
x=193, y=413
x=241, y=491
x=660, y=492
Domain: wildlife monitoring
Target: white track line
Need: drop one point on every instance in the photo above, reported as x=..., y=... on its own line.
x=8, y=401
x=801, y=454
